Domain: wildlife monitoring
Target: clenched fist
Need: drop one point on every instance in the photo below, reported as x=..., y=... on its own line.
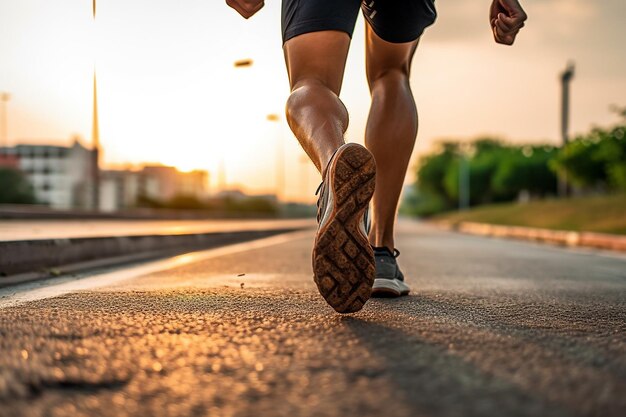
x=507, y=18
x=246, y=8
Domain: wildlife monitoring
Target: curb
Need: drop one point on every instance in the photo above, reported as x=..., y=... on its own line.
x=557, y=237
x=28, y=260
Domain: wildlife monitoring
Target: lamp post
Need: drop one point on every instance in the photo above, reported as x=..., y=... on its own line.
x=246, y=62
x=95, y=137
x=95, y=152
x=566, y=79
x=464, y=177
x=221, y=175
x=280, y=159
x=222, y=179
x=4, y=99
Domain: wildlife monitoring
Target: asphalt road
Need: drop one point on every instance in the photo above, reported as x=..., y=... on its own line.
x=492, y=328
x=68, y=229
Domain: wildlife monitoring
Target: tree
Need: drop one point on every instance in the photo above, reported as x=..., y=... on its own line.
x=525, y=168
x=498, y=172
x=15, y=187
x=595, y=160
x=185, y=202
x=432, y=173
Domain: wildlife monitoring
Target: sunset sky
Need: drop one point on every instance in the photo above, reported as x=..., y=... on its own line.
x=169, y=92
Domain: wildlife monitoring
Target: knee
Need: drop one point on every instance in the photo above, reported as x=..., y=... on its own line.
x=388, y=78
x=311, y=92
x=308, y=88
x=300, y=96
x=303, y=88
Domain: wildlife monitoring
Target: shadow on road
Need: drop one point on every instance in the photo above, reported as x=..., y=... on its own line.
x=433, y=381
x=507, y=356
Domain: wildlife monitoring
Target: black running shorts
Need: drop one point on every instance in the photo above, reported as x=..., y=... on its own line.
x=393, y=20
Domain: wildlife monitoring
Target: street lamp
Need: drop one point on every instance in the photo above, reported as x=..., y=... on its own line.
x=95, y=137
x=221, y=174
x=4, y=99
x=247, y=62
x=566, y=79
x=280, y=159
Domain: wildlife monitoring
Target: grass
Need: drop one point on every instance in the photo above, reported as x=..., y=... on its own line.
x=603, y=214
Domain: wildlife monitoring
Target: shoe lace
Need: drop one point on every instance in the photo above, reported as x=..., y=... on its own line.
x=319, y=188
x=319, y=192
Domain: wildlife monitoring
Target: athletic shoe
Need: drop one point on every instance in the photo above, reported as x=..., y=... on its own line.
x=389, y=280
x=343, y=260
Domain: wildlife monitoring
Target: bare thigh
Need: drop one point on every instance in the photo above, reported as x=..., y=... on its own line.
x=318, y=57
x=382, y=56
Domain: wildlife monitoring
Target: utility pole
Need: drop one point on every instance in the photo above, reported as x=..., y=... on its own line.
x=221, y=175
x=95, y=139
x=464, y=177
x=95, y=152
x=464, y=183
x=566, y=78
x=4, y=99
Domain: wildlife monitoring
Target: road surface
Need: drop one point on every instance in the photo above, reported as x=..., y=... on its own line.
x=66, y=229
x=492, y=328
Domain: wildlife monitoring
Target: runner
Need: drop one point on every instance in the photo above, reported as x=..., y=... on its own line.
x=351, y=260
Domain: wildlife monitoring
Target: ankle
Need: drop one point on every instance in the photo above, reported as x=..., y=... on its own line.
x=382, y=243
x=325, y=161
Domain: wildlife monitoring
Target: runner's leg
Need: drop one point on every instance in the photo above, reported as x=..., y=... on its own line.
x=391, y=128
x=316, y=115
x=342, y=259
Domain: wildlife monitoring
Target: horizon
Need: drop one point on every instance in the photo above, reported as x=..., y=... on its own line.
x=148, y=62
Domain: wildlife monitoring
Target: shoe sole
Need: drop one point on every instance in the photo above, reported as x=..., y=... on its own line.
x=384, y=287
x=343, y=260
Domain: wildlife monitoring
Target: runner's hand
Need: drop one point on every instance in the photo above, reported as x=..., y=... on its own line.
x=507, y=18
x=246, y=8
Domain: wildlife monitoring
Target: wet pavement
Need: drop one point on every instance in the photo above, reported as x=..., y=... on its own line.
x=492, y=328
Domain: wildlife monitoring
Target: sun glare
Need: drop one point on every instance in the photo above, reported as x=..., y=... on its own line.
x=170, y=91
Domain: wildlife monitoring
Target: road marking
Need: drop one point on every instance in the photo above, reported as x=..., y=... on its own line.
x=13, y=296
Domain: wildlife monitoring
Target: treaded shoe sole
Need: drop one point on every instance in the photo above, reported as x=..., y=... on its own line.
x=384, y=287
x=343, y=260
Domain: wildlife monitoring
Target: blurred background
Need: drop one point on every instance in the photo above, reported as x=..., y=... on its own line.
x=160, y=106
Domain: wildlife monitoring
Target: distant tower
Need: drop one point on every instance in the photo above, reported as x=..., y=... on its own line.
x=4, y=99
x=95, y=139
x=95, y=152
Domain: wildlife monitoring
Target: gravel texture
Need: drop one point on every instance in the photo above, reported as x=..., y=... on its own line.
x=492, y=328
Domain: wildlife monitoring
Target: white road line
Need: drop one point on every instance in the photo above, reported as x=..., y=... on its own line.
x=13, y=296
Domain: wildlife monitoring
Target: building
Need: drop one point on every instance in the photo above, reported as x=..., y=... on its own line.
x=173, y=182
x=60, y=176
x=121, y=189
x=9, y=161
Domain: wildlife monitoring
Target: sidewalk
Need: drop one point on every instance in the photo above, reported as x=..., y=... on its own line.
x=31, y=250
x=11, y=230
x=559, y=237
